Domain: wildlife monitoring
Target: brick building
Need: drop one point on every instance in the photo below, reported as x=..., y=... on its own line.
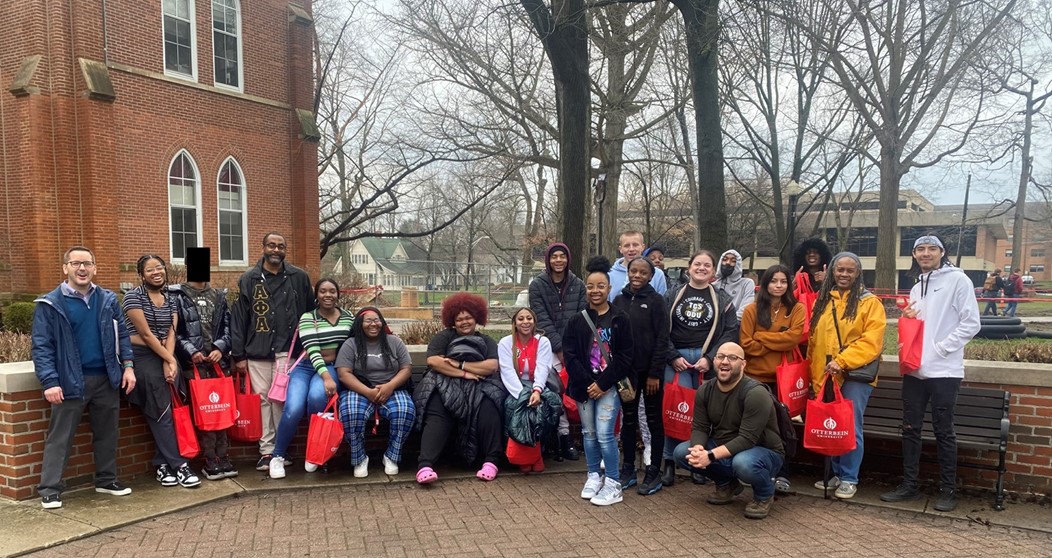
x=136, y=126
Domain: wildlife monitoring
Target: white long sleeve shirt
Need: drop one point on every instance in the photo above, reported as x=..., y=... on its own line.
x=506, y=358
x=945, y=300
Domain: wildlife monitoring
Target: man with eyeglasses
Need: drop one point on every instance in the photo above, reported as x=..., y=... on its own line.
x=735, y=437
x=78, y=329
x=273, y=295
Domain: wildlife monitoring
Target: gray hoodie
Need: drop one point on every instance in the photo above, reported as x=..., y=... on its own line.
x=742, y=290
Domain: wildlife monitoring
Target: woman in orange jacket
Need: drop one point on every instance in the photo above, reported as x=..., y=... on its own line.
x=771, y=329
x=847, y=333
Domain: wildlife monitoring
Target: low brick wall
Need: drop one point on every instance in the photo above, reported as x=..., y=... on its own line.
x=24, y=422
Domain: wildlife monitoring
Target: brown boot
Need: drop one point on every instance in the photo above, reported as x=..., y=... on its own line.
x=725, y=494
x=758, y=509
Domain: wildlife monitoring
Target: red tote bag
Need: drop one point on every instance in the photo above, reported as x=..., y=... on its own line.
x=807, y=296
x=324, y=435
x=677, y=409
x=911, y=344
x=793, y=379
x=213, y=400
x=248, y=420
x=185, y=434
x=829, y=428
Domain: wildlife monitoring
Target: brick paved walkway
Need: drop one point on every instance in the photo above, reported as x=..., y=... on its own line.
x=540, y=516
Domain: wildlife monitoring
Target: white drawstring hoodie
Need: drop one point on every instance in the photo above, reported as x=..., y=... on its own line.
x=945, y=300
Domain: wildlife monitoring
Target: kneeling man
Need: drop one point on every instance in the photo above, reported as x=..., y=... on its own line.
x=735, y=435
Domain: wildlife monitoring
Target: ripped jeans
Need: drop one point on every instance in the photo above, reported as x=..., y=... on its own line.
x=942, y=393
x=598, y=418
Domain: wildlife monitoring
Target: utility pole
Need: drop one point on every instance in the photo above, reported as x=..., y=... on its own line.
x=964, y=217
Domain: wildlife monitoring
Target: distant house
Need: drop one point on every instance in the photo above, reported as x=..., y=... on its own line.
x=391, y=262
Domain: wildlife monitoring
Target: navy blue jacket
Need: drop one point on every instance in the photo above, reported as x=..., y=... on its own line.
x=56, y=359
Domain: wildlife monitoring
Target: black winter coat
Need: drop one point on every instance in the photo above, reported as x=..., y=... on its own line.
x=578, y=351
x=189, y=337
x=649, y=318
x=267, y=312
x=554, y=307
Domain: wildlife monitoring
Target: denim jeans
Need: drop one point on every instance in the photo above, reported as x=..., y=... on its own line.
x=846, y=466
x=1010, y=307
x=305, y=395
x=755, y=466
x=915, y=396
x=991, y=305
x=598, y=417
x=687, y=378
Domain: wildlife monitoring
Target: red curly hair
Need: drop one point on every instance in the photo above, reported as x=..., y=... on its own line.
x=464, y=302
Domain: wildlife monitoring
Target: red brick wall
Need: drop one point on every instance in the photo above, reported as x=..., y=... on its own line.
x=78, y=170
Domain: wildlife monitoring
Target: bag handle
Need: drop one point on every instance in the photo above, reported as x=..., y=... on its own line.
x=826, y=381
x=246, y=387
x=715, y=320
x=331, y=405
x=177, y=401
x=595, y=336
x=797, y=356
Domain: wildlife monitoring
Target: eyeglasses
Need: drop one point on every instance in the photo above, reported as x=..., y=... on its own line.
x=729, y=358
x=76, y=264
x=272, y=246
x=371, y=322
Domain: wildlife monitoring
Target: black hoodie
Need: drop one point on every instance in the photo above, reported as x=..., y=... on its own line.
x=649, y=320
x=800, y=257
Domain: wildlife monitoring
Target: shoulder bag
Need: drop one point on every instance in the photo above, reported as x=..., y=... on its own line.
x=625, y=389
x=865, y=374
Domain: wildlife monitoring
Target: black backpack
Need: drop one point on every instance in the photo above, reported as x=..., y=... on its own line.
x=786, y=431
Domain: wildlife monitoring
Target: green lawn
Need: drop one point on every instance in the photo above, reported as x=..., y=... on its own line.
x=1002, y=350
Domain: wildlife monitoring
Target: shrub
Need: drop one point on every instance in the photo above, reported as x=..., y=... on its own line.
x=14, y=347
x=420, y=332
x=18, y=317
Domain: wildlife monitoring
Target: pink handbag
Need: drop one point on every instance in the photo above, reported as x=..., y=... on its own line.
x=280, y=383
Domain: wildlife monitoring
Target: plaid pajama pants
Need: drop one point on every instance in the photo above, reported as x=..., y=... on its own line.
x=357, y=413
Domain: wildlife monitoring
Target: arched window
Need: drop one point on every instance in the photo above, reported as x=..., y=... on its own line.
x=232, y=221
x=184, y=203
x=226, y=43
x=179, y=38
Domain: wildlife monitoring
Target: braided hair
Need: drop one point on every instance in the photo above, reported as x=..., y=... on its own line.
x=854, y=292
x=140, y=268
x=360, y=340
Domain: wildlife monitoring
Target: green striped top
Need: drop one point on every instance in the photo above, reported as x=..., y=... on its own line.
x=316, y=333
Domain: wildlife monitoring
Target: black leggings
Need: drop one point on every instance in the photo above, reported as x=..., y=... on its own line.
x=630, y=423
x=439, y=423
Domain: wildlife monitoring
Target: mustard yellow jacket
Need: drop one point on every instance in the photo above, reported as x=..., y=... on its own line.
x=863, y=337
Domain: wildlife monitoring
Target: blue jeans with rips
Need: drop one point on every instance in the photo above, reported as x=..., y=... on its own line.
x=598, y=418
x=305, y=396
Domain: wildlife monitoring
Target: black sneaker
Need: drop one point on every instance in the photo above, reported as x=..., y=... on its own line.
x=187, y=477
x=227, y=466
x=213, y=469
x=264, y=463
x=628, y=477
x=51, y=501
x=114, y=488
x=165, y=476
x=902, y=493
x=947, y=500
x=651, y=481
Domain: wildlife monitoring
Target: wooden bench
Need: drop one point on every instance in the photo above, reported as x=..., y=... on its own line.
x=980, y=421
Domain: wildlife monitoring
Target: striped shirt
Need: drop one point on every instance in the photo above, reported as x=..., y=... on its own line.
x=317, y=334
x=159, y=318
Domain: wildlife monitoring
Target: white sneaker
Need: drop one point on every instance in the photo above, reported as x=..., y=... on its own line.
x=846, y=490
x=361, y=470
x=310, y=467
x=609, y=494
x=390, y=467
x=277, y=468
x=833, y=483
x=592, y=486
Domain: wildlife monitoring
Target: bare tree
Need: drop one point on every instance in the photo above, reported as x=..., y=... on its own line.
x=904, y=65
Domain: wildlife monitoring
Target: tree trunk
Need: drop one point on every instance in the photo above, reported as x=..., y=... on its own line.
x=1024, y=180
x=888, y=219
x=701, y=22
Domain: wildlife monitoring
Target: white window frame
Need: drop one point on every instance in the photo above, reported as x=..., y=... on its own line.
x=240, y=51
x=197, y=200
x=244, y=214
x=193, y=45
